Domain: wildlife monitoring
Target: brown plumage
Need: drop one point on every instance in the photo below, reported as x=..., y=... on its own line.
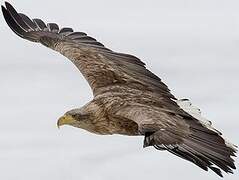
x=128, y=98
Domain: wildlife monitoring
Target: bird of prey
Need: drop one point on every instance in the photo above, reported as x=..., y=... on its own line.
x=128, y=98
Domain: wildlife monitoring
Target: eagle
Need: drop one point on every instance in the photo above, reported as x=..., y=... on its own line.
x=128, y=99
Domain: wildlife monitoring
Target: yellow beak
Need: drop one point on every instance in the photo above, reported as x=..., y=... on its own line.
x=64, y=120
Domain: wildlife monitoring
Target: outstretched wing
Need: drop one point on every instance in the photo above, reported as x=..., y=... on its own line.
x=183, y=136
x=101, y=67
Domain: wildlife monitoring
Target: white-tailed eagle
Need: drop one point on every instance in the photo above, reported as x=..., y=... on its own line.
x=128, y=98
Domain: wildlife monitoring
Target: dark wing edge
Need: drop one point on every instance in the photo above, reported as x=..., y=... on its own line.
x=35, y=29
x=202, y=146
x=49, y=34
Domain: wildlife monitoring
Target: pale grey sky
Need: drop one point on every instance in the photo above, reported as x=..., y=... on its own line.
x=192, y=45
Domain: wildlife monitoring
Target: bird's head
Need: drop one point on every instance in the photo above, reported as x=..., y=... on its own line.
x=75, y=117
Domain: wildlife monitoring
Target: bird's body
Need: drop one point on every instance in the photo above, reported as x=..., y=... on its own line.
x=128, y=98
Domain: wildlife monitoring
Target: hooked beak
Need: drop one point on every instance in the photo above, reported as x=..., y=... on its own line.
x=65, y=120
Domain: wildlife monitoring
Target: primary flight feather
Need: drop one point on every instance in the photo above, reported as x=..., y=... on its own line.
x=128, y=98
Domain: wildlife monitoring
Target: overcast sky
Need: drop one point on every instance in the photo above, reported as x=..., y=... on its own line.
x=192, y=45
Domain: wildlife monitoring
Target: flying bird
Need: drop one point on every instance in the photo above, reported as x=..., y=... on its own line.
x=128, y=99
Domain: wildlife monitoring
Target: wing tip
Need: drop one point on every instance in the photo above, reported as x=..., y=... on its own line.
x=34, y=29
x=7, y=3
x=9, y=7
x=5, y=13
x=12, y=23
x=16, y=23
x=2, y=7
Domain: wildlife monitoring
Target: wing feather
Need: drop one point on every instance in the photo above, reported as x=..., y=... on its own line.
x=85, y=51
x=65, y=30
x=40, y=24
x=53, y=27
x=183, y=136
x=28, y=21
x=17, y=17
x=12, y=23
